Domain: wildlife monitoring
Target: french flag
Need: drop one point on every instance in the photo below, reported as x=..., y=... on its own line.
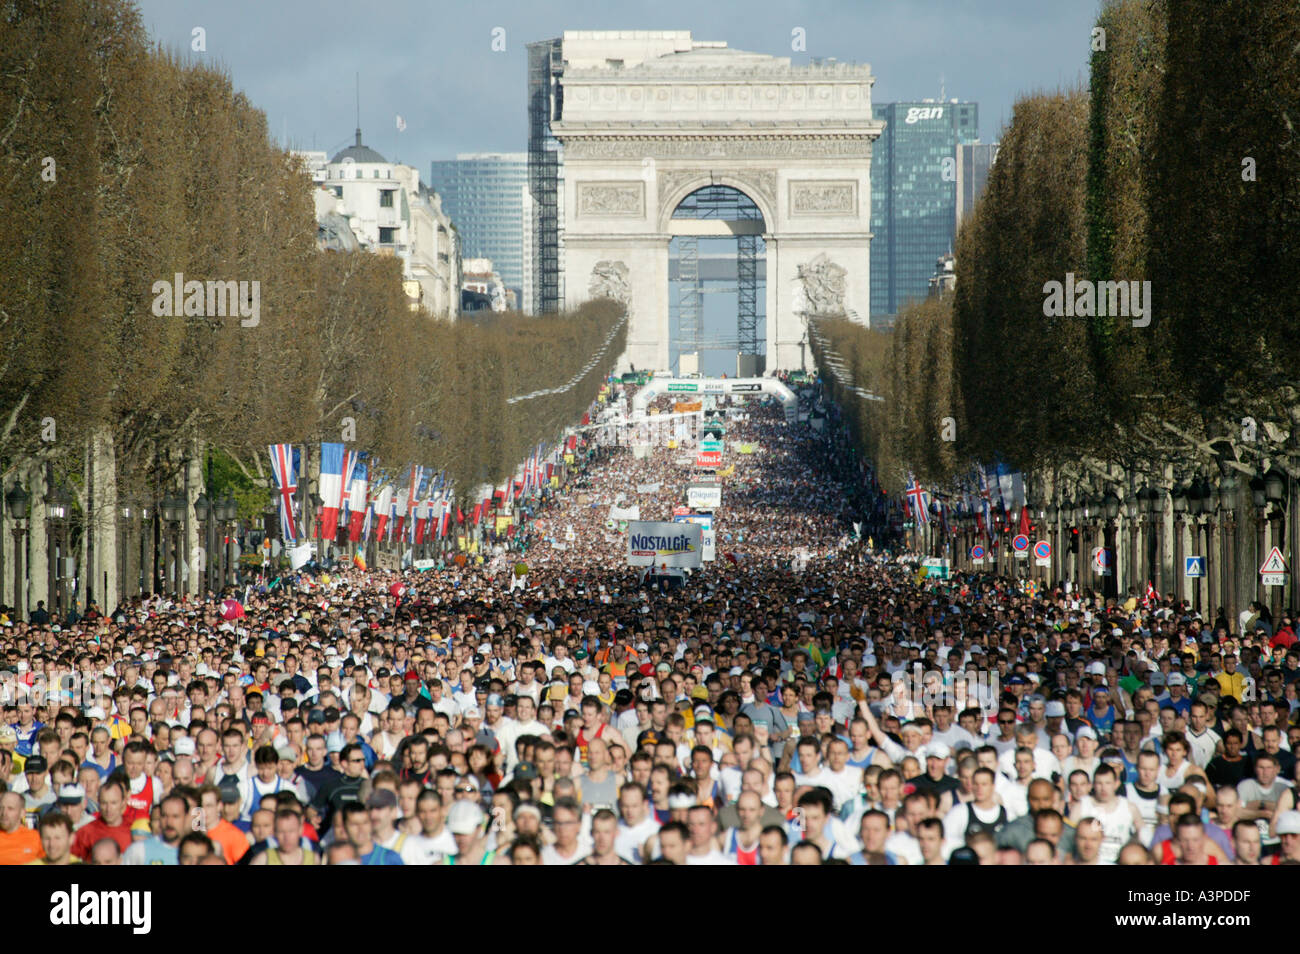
x=400, y=511
x=284, y=467
x=357, y=508
x=419, y=486
x=331, y=489
x=396, y=511
x=383, y=510
x=421, y=521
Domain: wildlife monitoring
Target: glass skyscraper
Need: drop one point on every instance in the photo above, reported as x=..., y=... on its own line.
x=914, y=196
x=974, y=162
x=483, y=194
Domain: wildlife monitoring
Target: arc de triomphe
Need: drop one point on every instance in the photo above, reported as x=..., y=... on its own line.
x=649, y=117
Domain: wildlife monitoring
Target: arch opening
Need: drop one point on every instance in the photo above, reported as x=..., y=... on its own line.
x=717, y=278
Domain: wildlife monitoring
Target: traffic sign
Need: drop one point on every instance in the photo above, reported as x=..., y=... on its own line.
x=1275, y=563
x=1275, y=570
x=1195, y=567
x=1020, y=542
x=1101, y=561
x=1042, y=553
x=977, y=553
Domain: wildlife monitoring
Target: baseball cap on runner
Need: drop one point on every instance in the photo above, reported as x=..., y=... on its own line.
x=1288, y=823
x=464, y=818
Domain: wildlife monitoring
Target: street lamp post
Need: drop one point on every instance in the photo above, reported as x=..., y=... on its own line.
x=227, y=510
x=203, y=514
x=1087, y=512
x=1052, y=535
x=17, y=500
x=1207, y=500
x=1228, y=486
x=127, y=512
x=317, y=501
x=1195, y=506
x=1131, y=510
x=1259, y=499
x=148, y=547
x=173, y=509
x=1275, y=491
x=1110, y=507
x=1181, y=502
x=57, y=506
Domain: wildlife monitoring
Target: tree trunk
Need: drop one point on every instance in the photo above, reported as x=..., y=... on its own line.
x=102, y=525
x=37, y=563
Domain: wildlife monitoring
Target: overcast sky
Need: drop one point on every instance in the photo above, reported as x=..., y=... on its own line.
x=432, y=61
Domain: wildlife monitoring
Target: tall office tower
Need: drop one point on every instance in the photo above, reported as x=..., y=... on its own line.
x=974, y=160
x=483, y=193
x=914, y=197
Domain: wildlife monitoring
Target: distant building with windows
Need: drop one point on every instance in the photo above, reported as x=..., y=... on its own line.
x=483, y=289
x=914, y=197
x=974, y=161
x=483, y=194
x=944, y=279
x=366, y=202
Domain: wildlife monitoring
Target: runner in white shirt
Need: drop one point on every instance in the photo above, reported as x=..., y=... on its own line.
x=1120, y=819
x=1145, y=794
x=636, y=825
x=1202, y=740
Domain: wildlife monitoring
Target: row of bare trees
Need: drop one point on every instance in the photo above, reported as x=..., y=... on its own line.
x=126, y=171
x=1177, y=166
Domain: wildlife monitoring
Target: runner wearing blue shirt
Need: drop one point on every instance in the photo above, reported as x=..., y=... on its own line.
x=356, y=825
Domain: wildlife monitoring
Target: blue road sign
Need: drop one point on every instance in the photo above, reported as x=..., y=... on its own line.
x=1195, y=566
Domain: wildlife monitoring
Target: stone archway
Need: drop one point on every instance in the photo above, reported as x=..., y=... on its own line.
x=650, y=117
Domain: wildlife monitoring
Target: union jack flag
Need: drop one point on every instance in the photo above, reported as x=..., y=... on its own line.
x=285, y=460
x=918, y=503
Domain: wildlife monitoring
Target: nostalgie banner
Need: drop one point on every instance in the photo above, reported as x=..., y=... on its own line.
x=651, y=543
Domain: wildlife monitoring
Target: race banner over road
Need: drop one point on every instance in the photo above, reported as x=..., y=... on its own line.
x=664, y=544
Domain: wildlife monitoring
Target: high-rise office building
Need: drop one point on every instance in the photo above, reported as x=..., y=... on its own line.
x=483, y=194
x=974, y=160
x=914, y=196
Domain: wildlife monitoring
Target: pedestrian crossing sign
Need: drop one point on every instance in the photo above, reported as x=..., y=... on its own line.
x=1195, y=566
x=1275, y=563
x=1275, y=570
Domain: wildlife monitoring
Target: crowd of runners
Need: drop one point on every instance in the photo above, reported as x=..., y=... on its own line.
x=806, y=698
